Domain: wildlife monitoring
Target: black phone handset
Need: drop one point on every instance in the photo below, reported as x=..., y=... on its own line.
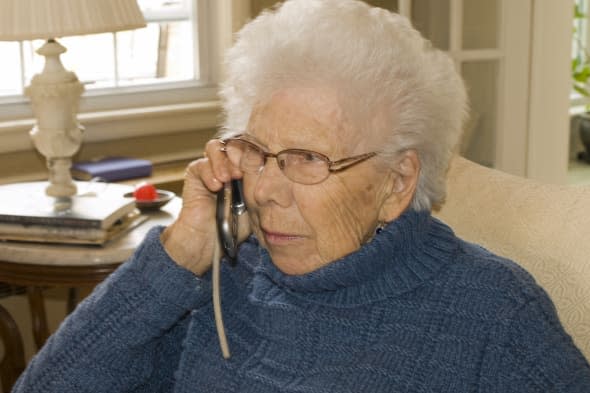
x=230, y=206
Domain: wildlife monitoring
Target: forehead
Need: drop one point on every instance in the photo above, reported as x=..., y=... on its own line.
x=309, y=118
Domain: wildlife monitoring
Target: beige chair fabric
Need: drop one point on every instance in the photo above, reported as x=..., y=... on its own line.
x=545, y=228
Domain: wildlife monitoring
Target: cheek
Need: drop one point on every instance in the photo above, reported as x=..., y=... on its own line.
x=252, y=208
x=339, y=213
x=338, y=216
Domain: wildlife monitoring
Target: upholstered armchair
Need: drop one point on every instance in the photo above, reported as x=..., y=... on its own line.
x=545, y=228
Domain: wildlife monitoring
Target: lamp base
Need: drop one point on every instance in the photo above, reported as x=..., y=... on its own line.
x=55, y=94
x=60, y=179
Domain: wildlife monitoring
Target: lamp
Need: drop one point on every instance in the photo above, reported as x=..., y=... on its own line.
x=55, y=92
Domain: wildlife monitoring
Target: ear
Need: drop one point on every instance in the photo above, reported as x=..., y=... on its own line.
x=401, y=186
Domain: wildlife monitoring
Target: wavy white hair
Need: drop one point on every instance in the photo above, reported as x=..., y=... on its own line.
x=375, y=57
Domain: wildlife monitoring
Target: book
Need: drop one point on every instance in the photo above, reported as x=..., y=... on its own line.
x=97, y=205
x=70, y=235
x=112, y=169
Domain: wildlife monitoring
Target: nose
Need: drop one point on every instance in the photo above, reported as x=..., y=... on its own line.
x=271, y=185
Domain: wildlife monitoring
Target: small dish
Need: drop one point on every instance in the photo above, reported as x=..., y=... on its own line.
x=163, y=198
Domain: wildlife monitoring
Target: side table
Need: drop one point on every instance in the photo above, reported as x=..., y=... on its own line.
x=40, y=265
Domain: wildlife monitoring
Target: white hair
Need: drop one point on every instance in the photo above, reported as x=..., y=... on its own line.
x=372, y=55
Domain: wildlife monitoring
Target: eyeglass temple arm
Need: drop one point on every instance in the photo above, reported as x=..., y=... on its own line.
x=350, y=161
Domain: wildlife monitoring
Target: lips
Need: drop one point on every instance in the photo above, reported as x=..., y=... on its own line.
x=279, y=238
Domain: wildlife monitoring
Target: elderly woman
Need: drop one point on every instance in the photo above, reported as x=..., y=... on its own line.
x=341, y=120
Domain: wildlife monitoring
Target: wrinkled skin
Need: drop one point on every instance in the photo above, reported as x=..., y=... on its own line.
x=302, y=226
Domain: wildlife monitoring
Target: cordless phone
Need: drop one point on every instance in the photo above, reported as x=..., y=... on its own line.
x=230, y=205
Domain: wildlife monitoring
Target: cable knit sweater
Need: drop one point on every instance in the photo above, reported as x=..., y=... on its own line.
x=414, y=310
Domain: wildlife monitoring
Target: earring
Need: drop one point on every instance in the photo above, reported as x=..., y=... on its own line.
x=380, y=226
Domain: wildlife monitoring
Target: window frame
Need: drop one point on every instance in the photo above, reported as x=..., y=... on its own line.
x=131, y=111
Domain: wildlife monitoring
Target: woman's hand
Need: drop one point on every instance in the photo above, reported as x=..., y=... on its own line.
x=192, y=238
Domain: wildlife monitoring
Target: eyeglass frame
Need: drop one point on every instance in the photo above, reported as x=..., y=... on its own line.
x=341, y=164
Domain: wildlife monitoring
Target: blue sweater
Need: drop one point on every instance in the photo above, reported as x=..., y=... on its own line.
x=414, y=310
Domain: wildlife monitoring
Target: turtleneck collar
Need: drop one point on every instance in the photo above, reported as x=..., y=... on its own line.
x=407, y=252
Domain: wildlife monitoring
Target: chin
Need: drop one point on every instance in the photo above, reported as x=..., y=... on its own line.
x=295, y=264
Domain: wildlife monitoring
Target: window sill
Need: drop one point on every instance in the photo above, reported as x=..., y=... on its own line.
x=124, y=123
x=162, y=134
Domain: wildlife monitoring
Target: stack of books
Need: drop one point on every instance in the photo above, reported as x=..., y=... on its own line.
x=27, y=214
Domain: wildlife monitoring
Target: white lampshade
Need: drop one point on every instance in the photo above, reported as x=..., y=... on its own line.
x=45, y=19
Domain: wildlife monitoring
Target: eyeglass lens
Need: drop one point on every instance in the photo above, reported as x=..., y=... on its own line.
x=300, y=166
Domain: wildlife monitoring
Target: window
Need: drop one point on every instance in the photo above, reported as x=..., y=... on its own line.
x=580, y=56
x=163, y=51
x=156, y=80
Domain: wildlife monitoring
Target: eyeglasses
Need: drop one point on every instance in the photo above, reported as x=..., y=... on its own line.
x=298, y=165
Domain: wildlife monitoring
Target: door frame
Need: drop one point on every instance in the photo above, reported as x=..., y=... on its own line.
x=550, y=86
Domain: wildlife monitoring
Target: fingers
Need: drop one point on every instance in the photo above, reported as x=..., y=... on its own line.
x=218, y=161
x=201, y=169
x=222, y=167
x=214, y=169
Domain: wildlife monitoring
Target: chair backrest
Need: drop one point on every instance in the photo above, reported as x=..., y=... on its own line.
x=542, y=227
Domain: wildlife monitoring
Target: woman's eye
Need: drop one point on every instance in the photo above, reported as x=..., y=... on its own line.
x=309, y=157
x=303, y=158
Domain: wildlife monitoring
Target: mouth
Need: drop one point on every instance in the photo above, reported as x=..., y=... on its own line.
x=279, y=238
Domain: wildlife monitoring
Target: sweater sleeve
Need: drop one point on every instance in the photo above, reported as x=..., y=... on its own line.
x=126, y=333
x=529, y=351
